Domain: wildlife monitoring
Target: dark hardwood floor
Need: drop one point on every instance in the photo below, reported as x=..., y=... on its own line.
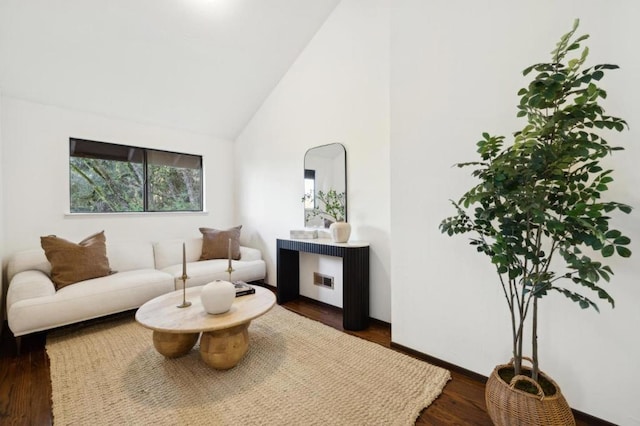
x=25, y=387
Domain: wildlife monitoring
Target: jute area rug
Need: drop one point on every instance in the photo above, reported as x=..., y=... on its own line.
x=296, y=372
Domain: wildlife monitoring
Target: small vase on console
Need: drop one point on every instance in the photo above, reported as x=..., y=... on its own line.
x=218, y=296
x=340, y=232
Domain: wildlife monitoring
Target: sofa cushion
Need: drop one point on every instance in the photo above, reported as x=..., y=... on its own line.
x=219, y=244
x=169, y=252
x=130, y=255
x=71, y=262
x=27, y=260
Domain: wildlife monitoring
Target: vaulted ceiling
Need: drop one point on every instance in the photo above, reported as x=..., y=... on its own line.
x=199, y=65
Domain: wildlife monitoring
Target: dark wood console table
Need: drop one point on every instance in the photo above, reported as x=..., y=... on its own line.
x=355, y=275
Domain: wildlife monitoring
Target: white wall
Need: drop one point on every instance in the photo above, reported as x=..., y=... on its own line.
x=326, y=265
x=2, y=249
x=336, y=91
x=455, y=71
x=35, y=142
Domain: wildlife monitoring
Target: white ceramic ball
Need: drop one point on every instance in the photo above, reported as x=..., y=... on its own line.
x=218, y=296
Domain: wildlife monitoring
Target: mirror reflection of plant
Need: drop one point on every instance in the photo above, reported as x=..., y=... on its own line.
x=330, y=205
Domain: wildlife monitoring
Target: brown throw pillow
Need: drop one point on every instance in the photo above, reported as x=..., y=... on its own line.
x=72, y=263
x=215, y=243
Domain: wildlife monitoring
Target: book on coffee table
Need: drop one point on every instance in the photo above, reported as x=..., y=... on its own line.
x=243, y=288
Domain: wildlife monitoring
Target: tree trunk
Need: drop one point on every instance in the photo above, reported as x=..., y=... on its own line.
x=189, y=185
x=534, y=340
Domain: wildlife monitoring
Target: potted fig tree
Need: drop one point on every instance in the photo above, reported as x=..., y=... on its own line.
x=540, y=214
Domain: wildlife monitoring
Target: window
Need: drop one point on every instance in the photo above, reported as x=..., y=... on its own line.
x=309, y=189
x=106, y=177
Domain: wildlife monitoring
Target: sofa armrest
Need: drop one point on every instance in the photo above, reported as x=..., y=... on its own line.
x=248, y=253
x=29, y=285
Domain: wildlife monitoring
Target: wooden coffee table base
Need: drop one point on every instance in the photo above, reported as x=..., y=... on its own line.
x=224, y=338
x=220, y=349
x=173, y=345
x=223, y=349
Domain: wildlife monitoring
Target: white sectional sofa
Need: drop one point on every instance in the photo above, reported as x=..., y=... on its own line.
x=142, y=271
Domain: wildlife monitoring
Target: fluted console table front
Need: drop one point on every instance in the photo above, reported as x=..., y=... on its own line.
x=355, y=275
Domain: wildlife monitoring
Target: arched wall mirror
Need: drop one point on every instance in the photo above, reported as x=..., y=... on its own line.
x=325, y=185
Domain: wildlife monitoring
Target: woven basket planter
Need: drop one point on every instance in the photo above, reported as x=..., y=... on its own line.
x=508, y=406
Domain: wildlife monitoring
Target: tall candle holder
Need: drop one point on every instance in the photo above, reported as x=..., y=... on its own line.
x=184, y=279
x=185, y=303
x=229, y=268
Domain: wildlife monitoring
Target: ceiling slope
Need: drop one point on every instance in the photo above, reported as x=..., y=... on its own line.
x=199, y=65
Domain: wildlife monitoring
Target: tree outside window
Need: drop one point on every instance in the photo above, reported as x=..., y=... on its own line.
x=105, y=178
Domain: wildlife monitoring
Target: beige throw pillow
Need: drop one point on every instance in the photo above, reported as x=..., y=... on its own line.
x=215, y=243
x=72, y=263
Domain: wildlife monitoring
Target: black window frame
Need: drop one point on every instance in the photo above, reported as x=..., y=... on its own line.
x=133, y=154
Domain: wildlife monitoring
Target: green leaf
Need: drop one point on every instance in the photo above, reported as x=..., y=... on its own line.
x=608, y=251
x=623, y=251
x=614, y=233
x=622, y=241
x=606, y=67
x=585, y=79
x=604, y=295
x=581, y=300
x=624, y=208
x=593, y=213
x=604, y=275
x=515, y=273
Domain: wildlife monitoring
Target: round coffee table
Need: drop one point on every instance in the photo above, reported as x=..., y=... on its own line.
x=225, y=337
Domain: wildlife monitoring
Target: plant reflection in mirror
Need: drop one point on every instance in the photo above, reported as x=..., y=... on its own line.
x=329, y=205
